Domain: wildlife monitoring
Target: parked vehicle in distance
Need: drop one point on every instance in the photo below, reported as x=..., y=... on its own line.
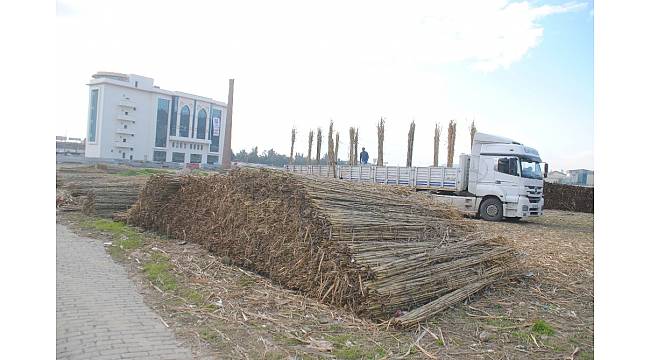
x=500, y=179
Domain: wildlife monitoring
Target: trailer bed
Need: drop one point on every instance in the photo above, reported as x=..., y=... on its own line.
x=421, y=178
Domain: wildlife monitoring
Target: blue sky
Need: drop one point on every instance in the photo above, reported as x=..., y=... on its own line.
x=546, y=99
x=520, y=69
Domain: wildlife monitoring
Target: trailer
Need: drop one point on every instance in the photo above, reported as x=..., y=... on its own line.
x=500, y=179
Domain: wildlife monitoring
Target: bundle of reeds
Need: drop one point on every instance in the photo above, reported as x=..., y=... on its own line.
x=98, y=192
x=409, y=151
x=380, y=142
x=377, y=250
x=451, y=141
x=436, y=144
x=293, y=142
x=311, y=141
x=319, y=140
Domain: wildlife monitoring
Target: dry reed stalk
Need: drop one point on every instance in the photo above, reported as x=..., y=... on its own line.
x=311, y=140
x=409, y=152
x=472, y=132
x=451, y=141
x=436, y=144
x=293, y=142
x=351, y=155
x=319, y=140
x=380, y=142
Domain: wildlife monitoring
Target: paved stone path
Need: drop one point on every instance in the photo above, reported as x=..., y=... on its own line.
x=99, y=312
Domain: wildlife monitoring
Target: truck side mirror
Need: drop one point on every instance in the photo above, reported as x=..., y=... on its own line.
x=545, y=170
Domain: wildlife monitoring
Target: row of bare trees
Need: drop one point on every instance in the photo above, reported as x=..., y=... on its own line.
x=353, y=155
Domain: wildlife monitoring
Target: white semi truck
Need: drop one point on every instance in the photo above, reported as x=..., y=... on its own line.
x=500, y=179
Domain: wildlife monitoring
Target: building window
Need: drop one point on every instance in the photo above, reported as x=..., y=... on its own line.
x=215, y=129
x=126, y=113
x=125, y=126
x=172, y=123
x=130, y=157
x=178, y=157
x=92, y=115
x=161, y=122
x=124, y=140
x=200, y=127
x=123, y=155
x=159, y=156
x=196, y=158
x=136, y=84
x=184, y=127
x=213, y=159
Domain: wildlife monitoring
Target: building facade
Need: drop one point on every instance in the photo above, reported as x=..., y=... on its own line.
x=131, y=119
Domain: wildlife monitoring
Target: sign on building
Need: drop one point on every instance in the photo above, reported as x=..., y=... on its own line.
x=216, y=126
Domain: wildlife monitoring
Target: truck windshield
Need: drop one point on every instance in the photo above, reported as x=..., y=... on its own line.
x=530, y=169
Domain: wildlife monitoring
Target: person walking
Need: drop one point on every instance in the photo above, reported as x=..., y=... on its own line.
x=363, y=157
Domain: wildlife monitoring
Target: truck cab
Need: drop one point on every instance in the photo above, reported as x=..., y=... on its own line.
x=507, y=177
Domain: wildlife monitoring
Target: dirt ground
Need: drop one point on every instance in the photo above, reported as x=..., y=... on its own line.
x=225, y=312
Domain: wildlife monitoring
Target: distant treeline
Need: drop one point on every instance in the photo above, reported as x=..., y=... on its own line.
x=273, y=158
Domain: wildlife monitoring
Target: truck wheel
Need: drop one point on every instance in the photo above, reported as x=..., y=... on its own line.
x=491, y=209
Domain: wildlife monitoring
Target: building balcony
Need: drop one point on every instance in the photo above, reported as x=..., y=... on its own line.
x=124, y=117
x=125, y=131
x=127, y=104
x=190, y=140
x=120, y=144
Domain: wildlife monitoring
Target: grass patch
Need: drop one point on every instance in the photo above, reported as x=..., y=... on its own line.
x=193, y=296
x=210, y=336
x=142, y=172
x=543, y=328
x=125, y=238
x=157, y=271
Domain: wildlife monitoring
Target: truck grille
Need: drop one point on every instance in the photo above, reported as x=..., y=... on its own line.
x=535, y=191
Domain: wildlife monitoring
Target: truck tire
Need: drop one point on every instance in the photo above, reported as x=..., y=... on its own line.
x=491, y=209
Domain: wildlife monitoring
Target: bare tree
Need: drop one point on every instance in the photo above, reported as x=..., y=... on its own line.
x=472, y=132
x=409, y=152
x=451, y=141
x=319, y=141
x=356, y=146
x=380, y=142
x=436, y=144
x=293, y=142
x=351, y=155
x=311, y=140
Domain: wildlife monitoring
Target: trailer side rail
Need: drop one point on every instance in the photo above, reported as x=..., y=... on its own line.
x=431, y=178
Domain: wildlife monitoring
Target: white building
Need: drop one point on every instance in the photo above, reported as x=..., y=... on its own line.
x=130, y=118
x=557, y=177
